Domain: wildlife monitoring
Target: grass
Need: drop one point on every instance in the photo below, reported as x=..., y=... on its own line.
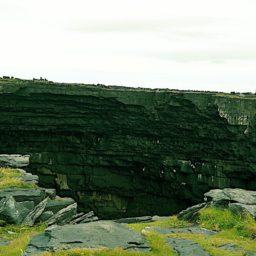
x=172, y=221
x=210, y=244
x=223, y=219
x=13, y=178
x=19, y=237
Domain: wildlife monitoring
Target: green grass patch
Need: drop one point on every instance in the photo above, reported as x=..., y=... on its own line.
x=223, y=219
x=172, y=221
x=10, y=177
x=19, y=237
x=211, y=243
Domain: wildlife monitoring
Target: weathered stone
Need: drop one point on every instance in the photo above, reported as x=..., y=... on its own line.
x=51, y=192
x=83, y=218
x=12, y=212
x=142, y=219
x=191, y=213
x=243, y=208
x=232, y=195
x=91, y=219
x=61, y=181
x=14, y=160
x=64, y=215
x=30, y=178
x=45, y=216
x=237, y=248
x=159, y=218
x=24, y=194
x=30, y=219
x=186, y=247
x=58, y=203
x=231, y=247
x=27, y=204
x=91, y=235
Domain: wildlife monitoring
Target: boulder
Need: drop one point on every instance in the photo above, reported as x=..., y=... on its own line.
x=45, y=216
x=35, y=213
x=12, y=212
x=90, y=235
x=231, y=195
x=243, y=208
x=63, y=216
x=237, y=200
x=58, y=203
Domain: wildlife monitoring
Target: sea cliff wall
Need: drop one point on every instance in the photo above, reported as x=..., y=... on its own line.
x=125, y=151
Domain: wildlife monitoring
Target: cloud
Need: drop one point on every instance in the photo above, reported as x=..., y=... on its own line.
x=9, y=5
x=137, y=25
x=210, y=55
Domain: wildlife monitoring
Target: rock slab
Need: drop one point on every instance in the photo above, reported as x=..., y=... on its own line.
x=14, y=160
x=90, y=235
x=186, y=247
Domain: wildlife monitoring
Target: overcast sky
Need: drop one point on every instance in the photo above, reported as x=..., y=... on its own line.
x=181, y=44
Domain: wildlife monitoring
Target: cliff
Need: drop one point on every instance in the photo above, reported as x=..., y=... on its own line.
x=125, y=151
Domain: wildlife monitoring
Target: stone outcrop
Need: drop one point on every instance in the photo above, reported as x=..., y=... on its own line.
x=239, y=201
x=14, y=160
x=100, y=234
x=186, y=247
x=126, y=152
x=27, y=206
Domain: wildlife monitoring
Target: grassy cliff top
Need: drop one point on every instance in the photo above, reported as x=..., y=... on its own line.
x=236, y=108
x=41, y=83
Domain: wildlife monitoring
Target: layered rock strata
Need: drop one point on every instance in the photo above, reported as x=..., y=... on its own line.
x=128, y=152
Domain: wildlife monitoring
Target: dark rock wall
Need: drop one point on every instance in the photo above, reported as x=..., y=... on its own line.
x=127, y=152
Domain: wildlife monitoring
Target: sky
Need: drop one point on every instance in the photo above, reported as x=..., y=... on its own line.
x=181, y=44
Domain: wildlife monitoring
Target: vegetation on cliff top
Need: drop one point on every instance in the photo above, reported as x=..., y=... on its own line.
x=13, y=178
x=19, y=237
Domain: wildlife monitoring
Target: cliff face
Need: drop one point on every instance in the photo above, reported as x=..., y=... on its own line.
x=127, y=152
